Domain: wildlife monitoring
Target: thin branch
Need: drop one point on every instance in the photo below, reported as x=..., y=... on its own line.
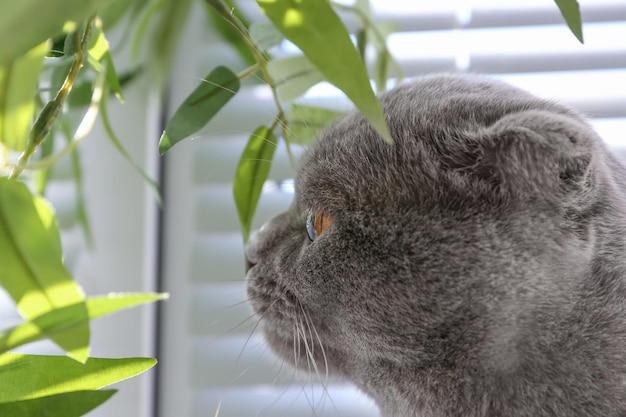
x=52, y=110
x=261, y=60
x=83, y=129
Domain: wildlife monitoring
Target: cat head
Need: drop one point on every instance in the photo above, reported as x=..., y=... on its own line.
x=439, y=249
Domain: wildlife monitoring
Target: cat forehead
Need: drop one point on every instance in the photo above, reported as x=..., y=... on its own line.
x=428, y=118
x=456, y=101
x=428, y=112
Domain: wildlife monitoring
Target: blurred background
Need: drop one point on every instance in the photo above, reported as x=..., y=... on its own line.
x=212, y=360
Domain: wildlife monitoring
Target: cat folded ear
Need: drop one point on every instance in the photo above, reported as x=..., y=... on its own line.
x=536, y=152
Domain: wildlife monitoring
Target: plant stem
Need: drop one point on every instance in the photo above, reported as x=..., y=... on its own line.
x=248, y=71
x=261, y=62
x=83, y=129
x=51, y=111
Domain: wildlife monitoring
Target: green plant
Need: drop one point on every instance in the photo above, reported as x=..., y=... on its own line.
x=314, y=27
x=54, y=55
x=32, y=270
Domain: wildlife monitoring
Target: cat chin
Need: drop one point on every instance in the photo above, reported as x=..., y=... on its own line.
x=303, y=354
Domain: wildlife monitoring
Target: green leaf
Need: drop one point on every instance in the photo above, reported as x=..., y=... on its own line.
x=46, y=215
x=101, y=53
x=69, y=404
x=571, y=13
x=25, y=377
x=264, y=35
x=166, y=35
x=252, y=170
x=56, y=51
x=32, y=267
x=60, y=68
x=81, y=95
x=161, y=24
x=18, y=84
x=293, y=76
x=69, y=46
x=226, y=30
x=365, y=7
x=26, y=23
x=361, y=43
x=41, y=176
x=116, y=10
x=306, y=122
x=112, y=77
x=66, y=318
x=99, y=45
x=315, y=28
x=381, y=70
x=219, y=86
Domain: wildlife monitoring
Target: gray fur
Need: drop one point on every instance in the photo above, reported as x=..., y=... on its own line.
x=476, y=267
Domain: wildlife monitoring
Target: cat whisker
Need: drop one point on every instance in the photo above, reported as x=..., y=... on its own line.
x=219, y=407
x=234, y=328
x=321, y=345
x=255, y=327
x=244, y=321
x=325, y=380
x=231, y=306
x=313, y=361
x=301, y=339
x=296, y=346
x=243, y=348
x=312, y=348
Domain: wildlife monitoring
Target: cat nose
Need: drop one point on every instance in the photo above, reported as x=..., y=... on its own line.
x=249, y=264
x=249, y=252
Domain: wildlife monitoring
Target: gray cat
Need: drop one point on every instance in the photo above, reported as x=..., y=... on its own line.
x=476, y=267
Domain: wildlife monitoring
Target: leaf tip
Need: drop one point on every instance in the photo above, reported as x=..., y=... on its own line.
x=164, y=143
x=387, y=137
x=79, y=355
x=383, y=130
x=579, y=36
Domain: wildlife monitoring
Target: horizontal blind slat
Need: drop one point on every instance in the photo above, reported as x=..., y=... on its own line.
x=269, y=401
x=217, y=213
x=453, y=14
x=239, y=360
x=217, y=257
x=224, y=152
x=525, y=49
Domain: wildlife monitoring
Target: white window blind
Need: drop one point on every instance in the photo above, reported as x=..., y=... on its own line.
x=213, y=361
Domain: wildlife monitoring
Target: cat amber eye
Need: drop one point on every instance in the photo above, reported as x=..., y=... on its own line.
x=316, y=222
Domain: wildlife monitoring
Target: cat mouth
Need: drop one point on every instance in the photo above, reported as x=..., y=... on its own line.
x=270, y=300
x=277, y=309
x=288, y=328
